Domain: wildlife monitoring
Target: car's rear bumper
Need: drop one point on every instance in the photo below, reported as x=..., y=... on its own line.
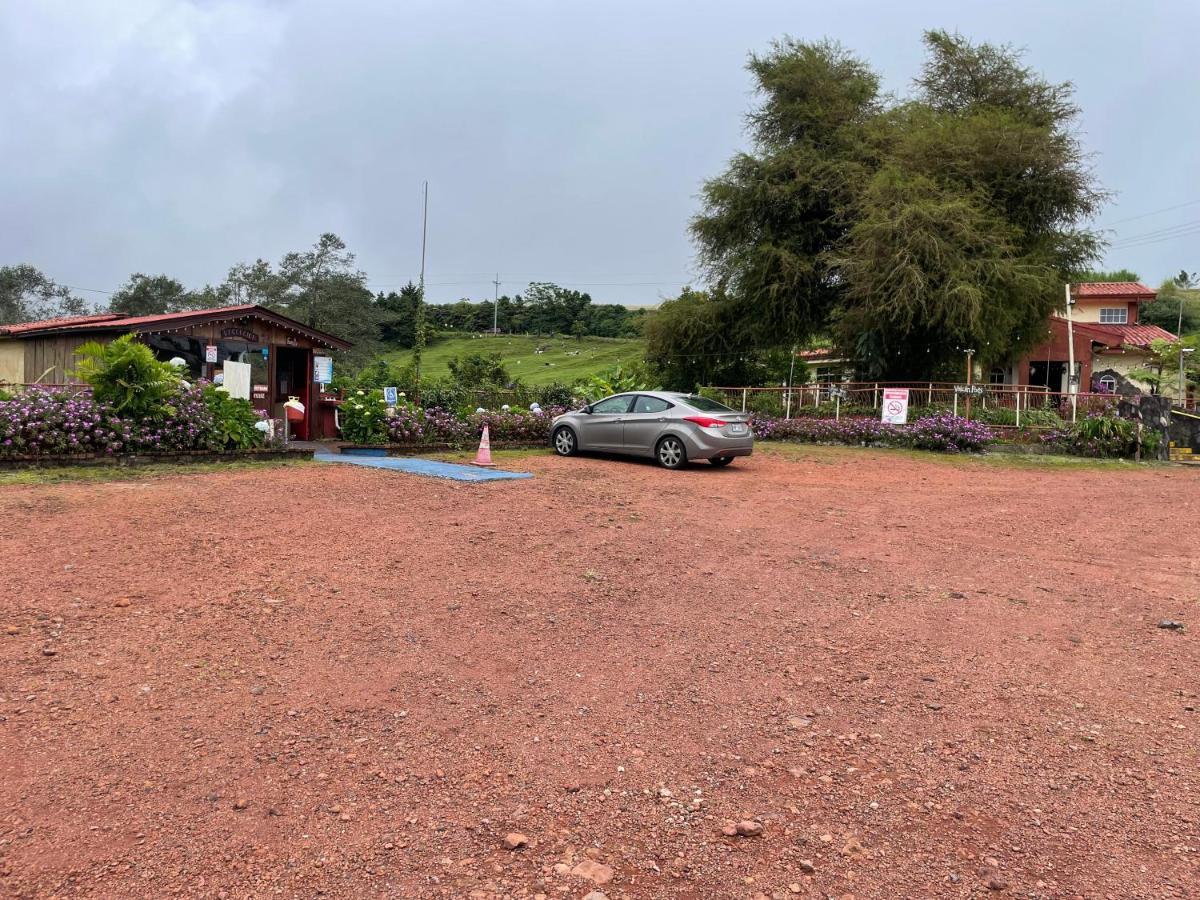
x=706, y=447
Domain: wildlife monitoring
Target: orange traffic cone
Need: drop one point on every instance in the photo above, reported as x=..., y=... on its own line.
x=484, y=456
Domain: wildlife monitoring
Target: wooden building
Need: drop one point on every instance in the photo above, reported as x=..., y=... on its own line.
x=285, y=358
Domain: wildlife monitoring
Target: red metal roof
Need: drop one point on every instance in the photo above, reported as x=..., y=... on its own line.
x=60, y=322
x=1123, y=335
x=1131, y=289
x=109, y=322
x=139, y=323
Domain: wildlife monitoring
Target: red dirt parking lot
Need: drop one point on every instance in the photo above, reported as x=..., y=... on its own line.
x=920, y=677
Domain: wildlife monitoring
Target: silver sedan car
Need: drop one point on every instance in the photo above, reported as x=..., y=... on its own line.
x=671, y=428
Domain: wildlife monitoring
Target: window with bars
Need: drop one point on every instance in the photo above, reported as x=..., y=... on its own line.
x=1114, y=315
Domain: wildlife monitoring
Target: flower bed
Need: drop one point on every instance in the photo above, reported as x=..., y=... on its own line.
x=943, y=432
x=413, y=426
x=58, y=423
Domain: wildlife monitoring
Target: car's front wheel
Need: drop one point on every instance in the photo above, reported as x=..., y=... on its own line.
x=670, y=453
x=564, y=442
x=721, y=460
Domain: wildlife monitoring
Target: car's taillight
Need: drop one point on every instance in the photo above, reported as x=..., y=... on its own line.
x=706, y=421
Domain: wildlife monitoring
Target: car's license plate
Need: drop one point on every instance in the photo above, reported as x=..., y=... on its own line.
x=737, y=429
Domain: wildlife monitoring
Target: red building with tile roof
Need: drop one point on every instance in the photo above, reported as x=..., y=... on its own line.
x=1109, y=342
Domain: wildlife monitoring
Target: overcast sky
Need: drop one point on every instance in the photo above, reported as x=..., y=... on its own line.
x=562, y=140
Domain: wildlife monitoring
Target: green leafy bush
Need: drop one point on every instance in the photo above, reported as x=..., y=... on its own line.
x=234, y=421
x=364, y=417
x=475, y=370
x=1031, y=418
x=1101, y=436
x=125, y=375
x=555, y=394
x=615, y=381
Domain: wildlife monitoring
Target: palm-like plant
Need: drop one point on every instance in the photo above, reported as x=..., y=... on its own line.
x=125, y=375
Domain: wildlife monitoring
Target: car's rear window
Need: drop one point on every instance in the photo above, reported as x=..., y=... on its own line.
x=703, y=404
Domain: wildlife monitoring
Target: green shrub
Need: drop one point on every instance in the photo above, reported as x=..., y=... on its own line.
x=1032, y=418
x=477, y=370
x=443, y=394
x=556, y=394
x=234, y=425
x=125, y=375
x=1102, y=436
x=364, y=417
x=381, y=374
x=615, y=381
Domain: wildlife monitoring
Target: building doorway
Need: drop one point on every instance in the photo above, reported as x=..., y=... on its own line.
x=1050, y=375
x=293, y=378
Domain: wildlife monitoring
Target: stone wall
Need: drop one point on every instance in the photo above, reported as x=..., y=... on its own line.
x=1185, y=429
x=1154, y=413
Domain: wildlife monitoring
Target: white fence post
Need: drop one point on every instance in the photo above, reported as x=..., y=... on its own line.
x=744, y=392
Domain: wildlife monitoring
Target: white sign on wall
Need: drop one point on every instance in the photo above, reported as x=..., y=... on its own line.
x=322, y=369
x=895, y=406
x=210, y=353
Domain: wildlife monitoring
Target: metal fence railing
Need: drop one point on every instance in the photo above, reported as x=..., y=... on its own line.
x=996, y=404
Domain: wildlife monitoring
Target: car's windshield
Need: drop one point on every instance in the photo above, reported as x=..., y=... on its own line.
x=704, y=404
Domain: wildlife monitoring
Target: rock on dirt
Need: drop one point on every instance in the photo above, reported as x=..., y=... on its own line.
x=1172, y=625
x=514, y=840
x=749, y=828
x=598, y=873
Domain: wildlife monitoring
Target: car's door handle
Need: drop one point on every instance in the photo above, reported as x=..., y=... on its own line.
x=662, y=418
x=618, y=420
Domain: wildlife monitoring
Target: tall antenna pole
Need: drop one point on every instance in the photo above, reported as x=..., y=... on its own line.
x=496, y=306
x=419, y=324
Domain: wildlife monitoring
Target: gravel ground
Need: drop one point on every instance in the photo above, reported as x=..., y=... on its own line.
x=820, y=674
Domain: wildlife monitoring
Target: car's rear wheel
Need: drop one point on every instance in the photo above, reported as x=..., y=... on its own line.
x=564, y=442
x=670, y=453
x=721, y=460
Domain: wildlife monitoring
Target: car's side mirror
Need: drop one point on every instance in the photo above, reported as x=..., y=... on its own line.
x=588, y=409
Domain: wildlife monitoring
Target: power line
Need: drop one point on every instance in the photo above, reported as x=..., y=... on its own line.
x=1158, y=232
x=1145, y=243
x=76, y=287
x=1153, y=212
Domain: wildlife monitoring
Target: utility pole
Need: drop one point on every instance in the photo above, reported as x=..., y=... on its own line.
x=496, y=306
x=970, y=379
x=1182, y=378
x=419, y=324
x=791, y=375
x=1072, y=387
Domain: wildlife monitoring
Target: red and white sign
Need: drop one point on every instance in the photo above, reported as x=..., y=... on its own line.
x=210, y=353
x=895, y=406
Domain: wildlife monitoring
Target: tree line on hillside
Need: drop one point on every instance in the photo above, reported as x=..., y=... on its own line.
x=322, y=288
x=543, y=308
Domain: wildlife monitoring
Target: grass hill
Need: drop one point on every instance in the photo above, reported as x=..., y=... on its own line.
x=564, y=359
